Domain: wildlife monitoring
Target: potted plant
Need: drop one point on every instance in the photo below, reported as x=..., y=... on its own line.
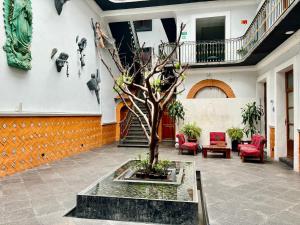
x=236, y=135
x=251, y=115
x=192, y=131
x=176, y=110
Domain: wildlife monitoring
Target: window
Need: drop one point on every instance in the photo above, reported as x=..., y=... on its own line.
x=211, y=92
x=143, y=25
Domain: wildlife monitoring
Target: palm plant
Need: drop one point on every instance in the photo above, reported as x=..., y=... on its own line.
x=176, y=110
x=251, y=115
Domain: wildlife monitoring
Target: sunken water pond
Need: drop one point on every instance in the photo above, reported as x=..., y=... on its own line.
x=121, y=196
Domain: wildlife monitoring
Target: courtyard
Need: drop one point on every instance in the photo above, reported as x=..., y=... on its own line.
x=236, y=193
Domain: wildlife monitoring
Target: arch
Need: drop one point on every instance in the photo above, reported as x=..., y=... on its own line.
x=119, y=108
x=211, y=83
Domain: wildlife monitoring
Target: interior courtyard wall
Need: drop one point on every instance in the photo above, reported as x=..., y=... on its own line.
x=218, y=114
x=284, y=58
x=153, y=38
x=43, y=89
x=234, y=15
x=45, y=115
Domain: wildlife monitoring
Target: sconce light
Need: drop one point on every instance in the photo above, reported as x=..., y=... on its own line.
x=273, y=107
x=59, y=5
x=81, y=46
x=61, y=60
x=93, y=84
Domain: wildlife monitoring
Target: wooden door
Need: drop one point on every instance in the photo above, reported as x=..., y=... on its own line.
x=168, y=127
x=290, y=113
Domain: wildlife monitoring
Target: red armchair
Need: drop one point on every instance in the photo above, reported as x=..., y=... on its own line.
x=254, y=151
x=252, y=143
x=217, y=138
x=189, y=146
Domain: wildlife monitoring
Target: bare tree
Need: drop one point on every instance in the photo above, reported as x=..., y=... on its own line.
x=149, y=88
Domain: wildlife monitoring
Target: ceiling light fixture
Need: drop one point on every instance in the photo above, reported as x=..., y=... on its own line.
x=289, y=32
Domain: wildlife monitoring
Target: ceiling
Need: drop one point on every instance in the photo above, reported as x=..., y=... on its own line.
x=106, y=5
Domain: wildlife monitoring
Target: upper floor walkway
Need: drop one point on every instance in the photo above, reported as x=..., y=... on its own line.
x=275, y=22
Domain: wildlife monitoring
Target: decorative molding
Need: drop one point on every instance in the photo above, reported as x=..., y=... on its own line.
x=211, y=83
x=18, y=29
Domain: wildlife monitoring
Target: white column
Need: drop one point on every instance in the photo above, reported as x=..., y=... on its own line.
x=280, y=116
x=296, y=111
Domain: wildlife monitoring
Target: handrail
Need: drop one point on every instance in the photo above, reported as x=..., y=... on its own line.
x=232, y=50
x=125, y=124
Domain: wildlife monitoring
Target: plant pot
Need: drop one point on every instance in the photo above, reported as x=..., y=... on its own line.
x=234, y=145
x=192, y=140
x=140, y=175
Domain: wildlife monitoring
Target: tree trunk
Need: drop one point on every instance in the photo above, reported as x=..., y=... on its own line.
x=154, y=138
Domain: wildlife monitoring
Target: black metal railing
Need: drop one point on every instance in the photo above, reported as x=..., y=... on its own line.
x=231, y=50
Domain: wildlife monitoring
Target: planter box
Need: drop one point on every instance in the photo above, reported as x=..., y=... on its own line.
x=152, y=202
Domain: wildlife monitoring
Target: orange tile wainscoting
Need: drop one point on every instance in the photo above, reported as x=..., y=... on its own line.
x=27, y=142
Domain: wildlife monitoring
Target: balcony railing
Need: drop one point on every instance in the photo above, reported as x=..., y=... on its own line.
x=231, y=50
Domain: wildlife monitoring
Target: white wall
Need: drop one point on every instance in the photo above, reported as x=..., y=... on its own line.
x=214, y=115
x=155, y=37
x=43, y=89
x=273, y=67
x=218, y=114
x=233, y=14
x=241, y=80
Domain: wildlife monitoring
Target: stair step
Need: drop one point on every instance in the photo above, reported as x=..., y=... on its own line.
x=288, y=162
x=136, y=132
x=133, y=146
x=137, y=129
x=135, y=137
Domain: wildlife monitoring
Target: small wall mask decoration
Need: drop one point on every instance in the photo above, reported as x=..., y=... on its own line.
x=93, y=84
x=101, y=39
x=81, y=46
x=59, y=5
x=18, y=29
x=61, y=60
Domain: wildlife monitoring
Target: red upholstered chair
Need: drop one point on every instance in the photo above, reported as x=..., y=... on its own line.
x=189, y=146
x=251, y=143
x=217, y=138
x=254, y=151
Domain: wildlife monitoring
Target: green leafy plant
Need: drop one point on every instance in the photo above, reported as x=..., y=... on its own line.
x=162, y=167
x=236, y=134
x=143, y=165
x=251, y=115
x=191, y=130
x=176, y=110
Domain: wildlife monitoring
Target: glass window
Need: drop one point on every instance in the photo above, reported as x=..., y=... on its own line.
x=211, y=92
x=290, y=81
x=143, y=25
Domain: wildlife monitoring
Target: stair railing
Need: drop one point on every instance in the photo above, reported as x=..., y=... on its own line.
x=125, y=124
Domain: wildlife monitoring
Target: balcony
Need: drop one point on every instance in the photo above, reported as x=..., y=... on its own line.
x=267, y=31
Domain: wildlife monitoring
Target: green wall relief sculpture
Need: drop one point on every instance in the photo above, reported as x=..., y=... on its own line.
x=18, y=28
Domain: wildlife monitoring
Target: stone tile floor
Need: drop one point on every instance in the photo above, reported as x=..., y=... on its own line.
x=236, y=193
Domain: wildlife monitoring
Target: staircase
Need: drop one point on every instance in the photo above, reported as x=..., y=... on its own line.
x=135, y=136
x=132, y=134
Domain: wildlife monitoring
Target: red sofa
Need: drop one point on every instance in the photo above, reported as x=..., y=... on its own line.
x=189, y=146
x=255, y=150
x=217, y=138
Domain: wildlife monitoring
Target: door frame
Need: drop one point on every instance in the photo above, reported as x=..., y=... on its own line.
x=287, y=91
